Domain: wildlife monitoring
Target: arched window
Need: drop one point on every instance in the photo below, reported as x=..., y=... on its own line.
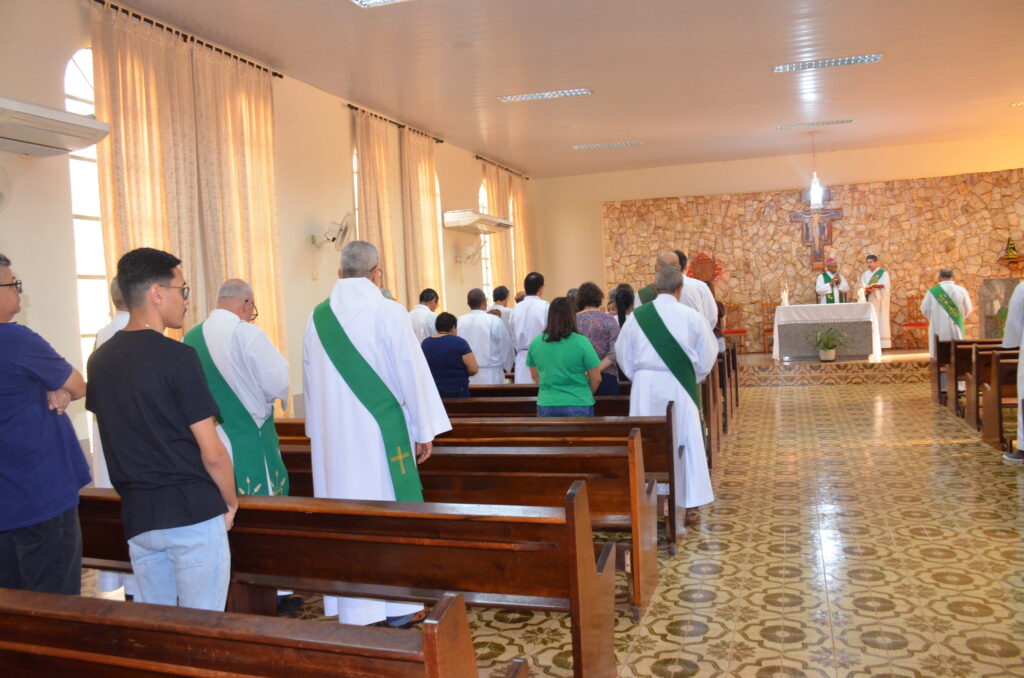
x=355, y=189
x=485, y=244
x=90, y=265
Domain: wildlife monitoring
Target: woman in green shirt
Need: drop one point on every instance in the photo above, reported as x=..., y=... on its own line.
x=565, y=365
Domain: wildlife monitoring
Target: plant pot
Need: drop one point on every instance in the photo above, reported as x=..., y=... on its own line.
x=827, y=355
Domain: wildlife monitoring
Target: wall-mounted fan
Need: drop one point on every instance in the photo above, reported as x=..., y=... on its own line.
x=337, y=234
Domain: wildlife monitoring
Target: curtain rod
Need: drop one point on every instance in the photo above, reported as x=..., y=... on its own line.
x=187, y=37
x=500, y=166
x=399, y=125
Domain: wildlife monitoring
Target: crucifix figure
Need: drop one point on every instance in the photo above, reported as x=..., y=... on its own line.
x=817, y=227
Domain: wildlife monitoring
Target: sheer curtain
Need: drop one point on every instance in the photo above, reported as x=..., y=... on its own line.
x=422, y=213
x=375, y=223
x=234, y=109
x=521, y=231
x=147, y=165
x=498, y=194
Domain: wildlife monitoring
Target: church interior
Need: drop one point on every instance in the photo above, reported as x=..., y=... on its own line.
x=865, y=523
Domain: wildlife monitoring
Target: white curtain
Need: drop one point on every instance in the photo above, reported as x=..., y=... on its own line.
x=374, y=217
x=499, y=187
x=422, y=212
x=520, y=232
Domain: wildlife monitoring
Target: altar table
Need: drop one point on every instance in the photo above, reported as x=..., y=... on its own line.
x=795, y=326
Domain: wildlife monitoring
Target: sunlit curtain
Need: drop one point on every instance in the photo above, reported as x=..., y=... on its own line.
x=521, y=231
x=147, y=165
x=234, y=110
x=422, y=213
x=499, y=188
x=375, y=223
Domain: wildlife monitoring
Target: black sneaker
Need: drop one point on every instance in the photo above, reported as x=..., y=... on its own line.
x=1016, y=456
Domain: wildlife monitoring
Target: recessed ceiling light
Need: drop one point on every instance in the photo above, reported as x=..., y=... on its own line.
x=804, y=125
x=610, y=144
x=1017, y=104
x=555, y=94
x=365, y=4
x=828, y=63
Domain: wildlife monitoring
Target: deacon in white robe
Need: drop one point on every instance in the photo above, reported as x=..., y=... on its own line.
x=529, y=318
x=246, y=358
x=940, y=324
x=109, y=581
x=837, y=283
x=487, y=337
x=423, y=316
x=654, y=385
x=878, y=296
x=1013, y=337
x=348, y=455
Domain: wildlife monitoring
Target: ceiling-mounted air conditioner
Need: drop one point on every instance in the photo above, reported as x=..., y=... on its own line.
x=472, y=221
x=39, y=130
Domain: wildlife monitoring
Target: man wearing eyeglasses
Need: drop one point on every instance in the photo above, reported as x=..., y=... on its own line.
x=41, y=463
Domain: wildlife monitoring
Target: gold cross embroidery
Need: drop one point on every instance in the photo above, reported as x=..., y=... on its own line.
x=400, y=457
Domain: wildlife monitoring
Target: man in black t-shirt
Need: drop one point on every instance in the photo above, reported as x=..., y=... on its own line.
x=157, y=426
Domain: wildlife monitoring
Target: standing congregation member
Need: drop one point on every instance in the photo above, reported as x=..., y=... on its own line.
x=529, y=318
x=500, y=297
x=1013, y=336
x=41, y=463
x=623, y=299
x=423, y=315
x=488, y=338
x=158, y=425
x=110, y=581
x=602, y=330
x=877, y=286
x=830, y=286
x=565, y=366
x=667, y=348
x=696, y=294
x=450, y=358
x=369, y=396
x=946, y=305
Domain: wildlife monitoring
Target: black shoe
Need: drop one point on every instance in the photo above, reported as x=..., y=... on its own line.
x=287, y=606
x=1016, y=456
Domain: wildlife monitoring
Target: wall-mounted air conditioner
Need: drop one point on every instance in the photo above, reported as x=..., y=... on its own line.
x=39, y=130
x=472, y=221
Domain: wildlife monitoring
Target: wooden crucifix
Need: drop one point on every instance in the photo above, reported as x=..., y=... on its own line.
x=817, y=227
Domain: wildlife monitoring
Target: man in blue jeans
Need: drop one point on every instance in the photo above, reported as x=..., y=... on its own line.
x=157, y=424
x=41, y=463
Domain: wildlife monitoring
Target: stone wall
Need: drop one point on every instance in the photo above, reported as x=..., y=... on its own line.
x=916, y=226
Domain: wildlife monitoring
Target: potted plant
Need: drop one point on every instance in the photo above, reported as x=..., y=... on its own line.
x=827, y=341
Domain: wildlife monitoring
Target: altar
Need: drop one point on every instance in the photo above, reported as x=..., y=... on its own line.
x=796, y=325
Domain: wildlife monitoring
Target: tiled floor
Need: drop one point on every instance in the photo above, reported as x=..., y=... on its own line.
x=858, y=532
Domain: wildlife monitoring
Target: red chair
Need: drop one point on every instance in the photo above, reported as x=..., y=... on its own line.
x=915, y=321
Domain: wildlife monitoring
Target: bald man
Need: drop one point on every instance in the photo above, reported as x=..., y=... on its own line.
x=695, y=293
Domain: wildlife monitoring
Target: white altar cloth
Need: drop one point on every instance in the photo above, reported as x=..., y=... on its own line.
x=812, y=314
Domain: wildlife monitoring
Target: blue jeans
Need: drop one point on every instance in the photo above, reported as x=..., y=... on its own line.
x=188, y=566
x=565, y=411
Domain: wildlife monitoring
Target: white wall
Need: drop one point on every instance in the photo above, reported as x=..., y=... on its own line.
x=566, y=211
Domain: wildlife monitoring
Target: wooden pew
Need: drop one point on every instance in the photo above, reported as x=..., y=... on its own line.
x=498, y=556
x=978, y=373
x=959, y=367
x=526, y=406
x=998, y=395
x=731, y=351
x=937, y=367
x=520, y=390
x=44, y=634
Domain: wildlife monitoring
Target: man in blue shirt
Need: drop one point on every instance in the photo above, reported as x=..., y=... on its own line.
x=41, y=463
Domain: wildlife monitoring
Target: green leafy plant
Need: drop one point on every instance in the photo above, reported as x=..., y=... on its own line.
x=828, y=340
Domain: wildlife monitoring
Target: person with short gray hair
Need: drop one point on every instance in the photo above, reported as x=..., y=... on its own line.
x=488, y=338
x=360, y=259
x=946, y=305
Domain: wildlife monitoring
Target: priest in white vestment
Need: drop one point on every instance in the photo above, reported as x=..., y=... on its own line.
x=830, y=286
x=500, y=305
x=423, y=316
x=109, y=581
x=942, y=325
x=348, y=455
x=877, y=287
x=1013, y=336
x=654, y=385
x=529, y=318
x=488, y=338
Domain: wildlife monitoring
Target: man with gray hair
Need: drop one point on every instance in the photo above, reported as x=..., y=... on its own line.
x=667, y=349
x=372, y=409
x=946, y=305
x=696, y=294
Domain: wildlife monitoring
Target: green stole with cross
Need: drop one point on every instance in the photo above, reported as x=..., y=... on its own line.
x=948, y=305
x=376, y=397
x=876, y=277
x=255, y=450
x=830, y=298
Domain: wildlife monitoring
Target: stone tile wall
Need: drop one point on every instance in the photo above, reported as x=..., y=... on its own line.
x=916, y=226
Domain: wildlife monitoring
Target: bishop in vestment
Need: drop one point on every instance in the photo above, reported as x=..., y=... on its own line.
x=360, y=348
x=830, y=286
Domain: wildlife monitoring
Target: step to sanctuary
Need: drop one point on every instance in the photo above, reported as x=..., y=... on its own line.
x=896, y=367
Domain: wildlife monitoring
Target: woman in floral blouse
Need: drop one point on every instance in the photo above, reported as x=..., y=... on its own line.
x=602, y=329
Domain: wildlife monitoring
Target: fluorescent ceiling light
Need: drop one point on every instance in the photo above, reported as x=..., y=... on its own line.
x=1017, y=104
x=828, y=63
x=376, y=3
x=611, y=144
x=804, y=125
x=534, y=96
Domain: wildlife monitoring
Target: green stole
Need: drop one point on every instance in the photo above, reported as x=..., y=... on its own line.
x=255, y=449
x=376, y=397
x=876, y=277
x=647, y=294
x=830, y=297
x=948, y=305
